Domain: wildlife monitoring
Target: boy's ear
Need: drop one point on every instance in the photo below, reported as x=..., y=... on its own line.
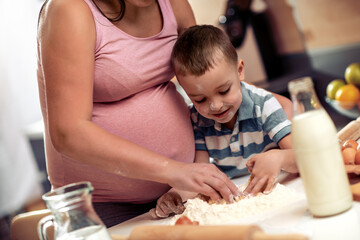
x=241, y=69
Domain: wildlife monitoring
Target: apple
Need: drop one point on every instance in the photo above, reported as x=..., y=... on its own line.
x=333, y=86
x=352, y=74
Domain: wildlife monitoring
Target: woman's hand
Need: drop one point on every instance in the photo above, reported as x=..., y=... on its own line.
x=204, y=178
x=168, y=204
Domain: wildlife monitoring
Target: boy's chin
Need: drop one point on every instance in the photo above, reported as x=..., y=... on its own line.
x=223, y=120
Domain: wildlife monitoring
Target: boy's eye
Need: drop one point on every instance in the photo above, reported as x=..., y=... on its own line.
x=200, y=100
x=225, y=92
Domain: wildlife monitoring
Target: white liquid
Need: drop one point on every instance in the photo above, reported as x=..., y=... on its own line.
x=320, y=163
x=88, y=233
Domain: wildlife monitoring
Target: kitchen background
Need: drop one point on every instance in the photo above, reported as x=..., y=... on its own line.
x=284, y=40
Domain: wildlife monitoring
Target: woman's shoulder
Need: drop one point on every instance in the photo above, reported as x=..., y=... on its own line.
x=65, y=11
x=65, y=6
x=66, y=17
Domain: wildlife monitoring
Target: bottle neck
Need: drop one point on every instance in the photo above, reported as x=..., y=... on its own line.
x=305, y=101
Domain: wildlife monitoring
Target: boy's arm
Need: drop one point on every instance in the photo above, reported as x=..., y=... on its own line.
x=202, y=156
x=289, y=163
x=265, y=167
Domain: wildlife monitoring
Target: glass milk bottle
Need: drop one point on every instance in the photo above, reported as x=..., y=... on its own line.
x=72, y=214
x=318, y=153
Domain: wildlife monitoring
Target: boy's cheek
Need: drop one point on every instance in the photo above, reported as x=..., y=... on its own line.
x=203, y=110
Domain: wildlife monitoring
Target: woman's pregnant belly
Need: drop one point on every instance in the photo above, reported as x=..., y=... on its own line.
x=157, y=119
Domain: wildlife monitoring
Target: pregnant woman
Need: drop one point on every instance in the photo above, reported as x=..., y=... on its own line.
x=111, y=114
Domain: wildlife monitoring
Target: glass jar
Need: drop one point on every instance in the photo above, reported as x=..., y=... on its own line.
x=72, y=214
x=318, y=152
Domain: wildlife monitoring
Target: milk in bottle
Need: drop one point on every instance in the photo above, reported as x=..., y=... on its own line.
x=318, y=153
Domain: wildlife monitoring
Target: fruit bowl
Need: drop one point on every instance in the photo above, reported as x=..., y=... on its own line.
x=344, y=108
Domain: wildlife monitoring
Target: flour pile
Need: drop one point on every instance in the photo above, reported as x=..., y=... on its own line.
x=217, y=214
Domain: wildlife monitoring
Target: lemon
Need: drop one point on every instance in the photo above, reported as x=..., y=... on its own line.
x=352, y=74
x=333, y=86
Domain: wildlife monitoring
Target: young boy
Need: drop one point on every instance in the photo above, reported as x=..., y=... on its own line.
x=243, y=128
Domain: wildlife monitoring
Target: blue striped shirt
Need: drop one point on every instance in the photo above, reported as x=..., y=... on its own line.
x=261, y=124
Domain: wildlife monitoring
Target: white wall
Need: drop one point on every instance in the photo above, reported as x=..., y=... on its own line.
x=208, y=12
x=19, y=102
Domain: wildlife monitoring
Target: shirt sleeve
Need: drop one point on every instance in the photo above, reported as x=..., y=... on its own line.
x=199, y=139
x=275, y=121
x=198, y=133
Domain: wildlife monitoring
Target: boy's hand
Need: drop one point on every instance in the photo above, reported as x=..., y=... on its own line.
x=167, y=204
x=264, y=168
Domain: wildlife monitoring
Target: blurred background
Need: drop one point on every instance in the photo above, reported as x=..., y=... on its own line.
x=20, y=179
x=279, y=40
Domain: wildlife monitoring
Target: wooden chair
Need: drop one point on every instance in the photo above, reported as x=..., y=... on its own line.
x=24, y=225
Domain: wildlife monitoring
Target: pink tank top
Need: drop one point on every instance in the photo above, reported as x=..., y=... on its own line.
x=134, y=99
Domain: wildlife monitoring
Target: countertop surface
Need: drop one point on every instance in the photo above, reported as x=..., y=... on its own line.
x=294, y=218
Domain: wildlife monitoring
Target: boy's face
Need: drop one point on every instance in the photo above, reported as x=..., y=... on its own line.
x=216, y=94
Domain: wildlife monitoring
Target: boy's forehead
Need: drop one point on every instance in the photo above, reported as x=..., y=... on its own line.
x=198, y=86
x=221, y=71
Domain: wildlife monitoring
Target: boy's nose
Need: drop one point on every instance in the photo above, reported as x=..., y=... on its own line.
x=215, y=105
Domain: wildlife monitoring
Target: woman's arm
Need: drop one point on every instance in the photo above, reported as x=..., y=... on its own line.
x=67, y=42
x=184, y=14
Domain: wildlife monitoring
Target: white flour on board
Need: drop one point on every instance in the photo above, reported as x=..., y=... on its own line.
x=217, y=214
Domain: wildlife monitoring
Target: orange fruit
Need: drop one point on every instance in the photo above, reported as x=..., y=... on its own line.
x=184, y=220
x=348, y=155
x=347, y=96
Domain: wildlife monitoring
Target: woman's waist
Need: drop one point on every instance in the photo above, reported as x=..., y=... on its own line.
x=107, y=187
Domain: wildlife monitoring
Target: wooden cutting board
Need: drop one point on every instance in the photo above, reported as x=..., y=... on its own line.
x=350, y=131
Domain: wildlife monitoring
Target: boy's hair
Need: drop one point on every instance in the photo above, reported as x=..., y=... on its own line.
x=199, y=48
